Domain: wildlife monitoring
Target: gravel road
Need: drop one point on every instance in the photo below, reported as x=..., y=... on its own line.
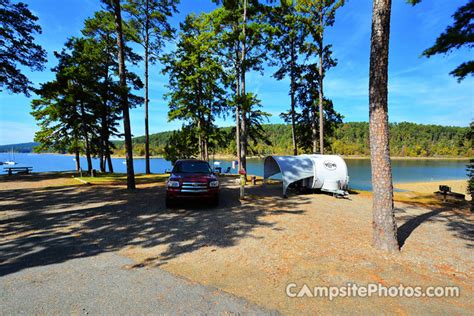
x=102, y=285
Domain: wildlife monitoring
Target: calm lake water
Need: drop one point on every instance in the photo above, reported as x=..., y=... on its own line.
x=359, y=169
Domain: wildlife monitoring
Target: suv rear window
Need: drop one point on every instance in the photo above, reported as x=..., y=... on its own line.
x=192, y=167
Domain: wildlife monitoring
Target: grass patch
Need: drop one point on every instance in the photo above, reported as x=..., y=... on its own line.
x=424, y=199
x=121, y=179
x=415, y=198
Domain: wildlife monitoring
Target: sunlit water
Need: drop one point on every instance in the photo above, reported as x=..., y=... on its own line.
x=359, y=169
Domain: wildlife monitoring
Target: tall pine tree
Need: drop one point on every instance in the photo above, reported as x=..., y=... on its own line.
x=149, y=19
x=17, y=46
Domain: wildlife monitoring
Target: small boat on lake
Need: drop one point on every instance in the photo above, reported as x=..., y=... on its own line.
x=11, y=160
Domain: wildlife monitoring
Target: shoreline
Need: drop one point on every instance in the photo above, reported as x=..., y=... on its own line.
x=395, y=183
x=428, y=181
x=231, y=157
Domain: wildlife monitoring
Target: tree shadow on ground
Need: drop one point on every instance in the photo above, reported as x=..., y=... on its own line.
x=53, y=225
x=35, y=177
x=457, y=220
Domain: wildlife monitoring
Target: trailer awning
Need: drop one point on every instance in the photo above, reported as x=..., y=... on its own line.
x=292, y=168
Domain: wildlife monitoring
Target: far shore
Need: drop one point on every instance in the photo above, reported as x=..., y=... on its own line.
x=231, y=157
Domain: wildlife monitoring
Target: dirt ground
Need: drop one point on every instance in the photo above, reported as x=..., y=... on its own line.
x=251, y=248
x=37, y=180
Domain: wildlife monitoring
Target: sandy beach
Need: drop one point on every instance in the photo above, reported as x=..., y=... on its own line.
x=459, y=186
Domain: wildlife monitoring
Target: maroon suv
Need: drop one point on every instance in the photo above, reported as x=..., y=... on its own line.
x=192, y=179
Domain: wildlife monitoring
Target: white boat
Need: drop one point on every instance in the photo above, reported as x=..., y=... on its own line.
x=11, y=160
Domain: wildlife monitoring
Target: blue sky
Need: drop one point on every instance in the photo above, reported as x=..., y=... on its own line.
x=420, y=89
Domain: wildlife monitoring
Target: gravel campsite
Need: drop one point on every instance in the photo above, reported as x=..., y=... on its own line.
x=250, y=249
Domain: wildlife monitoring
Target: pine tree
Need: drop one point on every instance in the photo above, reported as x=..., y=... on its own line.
x=384, y=225
x=149, y=19
x=115, y=7
x=17, y=46
x=198, y=80
x=288, y=44
x=101, y=29
x=243, y=30
x=320, y=14
x=459, y=35
x=65, y=110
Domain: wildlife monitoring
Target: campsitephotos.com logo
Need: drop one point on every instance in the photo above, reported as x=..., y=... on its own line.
x=369, y=290
x=330, y=165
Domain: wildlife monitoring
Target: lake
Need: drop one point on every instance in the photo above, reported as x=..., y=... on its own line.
x=409, y=170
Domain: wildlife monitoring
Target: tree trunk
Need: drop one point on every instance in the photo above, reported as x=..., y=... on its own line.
x=104, y=138
x=200, y=119
x=384, y=225
x=321, y=94
x=78, y=160
x=237, y=108
x=105, y=113
x=200, y=138
x=314, y=128
x=124, y=96
x=102, y=161
x=200, y=114
x=86, y=138
x=243, y=95
x=200, y=143
x=88, y=155
x=208, y=128
x=147, y=136
x=237, y=134
x=109, y=160
x=292, y=96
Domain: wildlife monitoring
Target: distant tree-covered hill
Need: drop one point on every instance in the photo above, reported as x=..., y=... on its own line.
x=19, y=148
x=406, y=140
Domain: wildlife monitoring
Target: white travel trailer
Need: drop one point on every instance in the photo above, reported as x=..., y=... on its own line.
x=325, y=172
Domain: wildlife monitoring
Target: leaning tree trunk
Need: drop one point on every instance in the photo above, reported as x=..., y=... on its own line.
x=124, y=96
x=384, y=225
x=109, y=160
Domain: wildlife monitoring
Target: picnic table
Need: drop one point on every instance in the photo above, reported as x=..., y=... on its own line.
x=22, y=170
